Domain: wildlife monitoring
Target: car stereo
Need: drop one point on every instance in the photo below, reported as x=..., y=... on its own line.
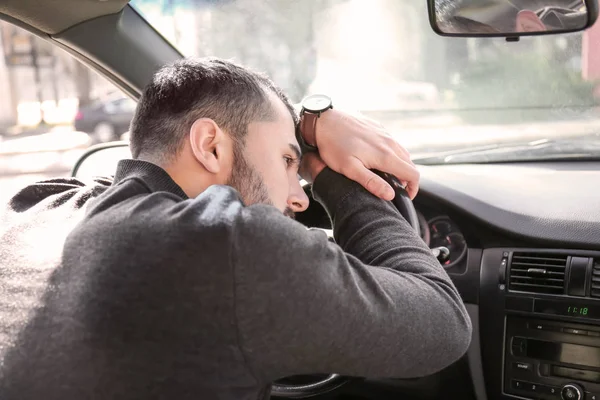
x=539, y=325
x=549, y=359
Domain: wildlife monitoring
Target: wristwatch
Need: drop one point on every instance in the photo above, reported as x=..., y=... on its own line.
x=312, y=108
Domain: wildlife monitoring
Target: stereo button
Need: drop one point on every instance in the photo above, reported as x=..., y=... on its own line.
x=518, y=385
x=522, y=366
x=543, y=327
x=532, y=387
x=591, y=396
x=549, y=390
x=575, y=331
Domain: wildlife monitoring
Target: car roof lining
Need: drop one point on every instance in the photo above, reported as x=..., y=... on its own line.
x=54, y=16
x=122, y=47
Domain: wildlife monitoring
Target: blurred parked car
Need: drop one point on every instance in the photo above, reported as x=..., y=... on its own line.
x=105, y=120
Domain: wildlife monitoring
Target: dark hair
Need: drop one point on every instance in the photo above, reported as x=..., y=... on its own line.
x=466, y=25
x=192, y=88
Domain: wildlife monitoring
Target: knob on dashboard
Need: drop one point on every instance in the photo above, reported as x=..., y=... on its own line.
x=571, y=391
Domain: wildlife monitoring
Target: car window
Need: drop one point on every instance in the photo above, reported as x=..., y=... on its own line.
x=381, y=57
x=97, y=163
x=49, y=112
x=121, y=104
x=126, y=105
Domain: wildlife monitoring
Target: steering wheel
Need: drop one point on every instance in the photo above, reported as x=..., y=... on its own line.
x=284, y=390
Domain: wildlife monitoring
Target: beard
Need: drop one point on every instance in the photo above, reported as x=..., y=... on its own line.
x=249, y=183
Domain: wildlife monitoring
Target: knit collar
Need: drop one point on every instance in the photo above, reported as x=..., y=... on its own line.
x=156, y=178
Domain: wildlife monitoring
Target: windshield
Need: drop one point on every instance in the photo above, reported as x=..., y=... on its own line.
x=382, y=58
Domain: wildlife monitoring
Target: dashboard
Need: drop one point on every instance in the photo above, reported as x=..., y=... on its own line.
x=531, y=276
x=525, y=257
x=439, y=230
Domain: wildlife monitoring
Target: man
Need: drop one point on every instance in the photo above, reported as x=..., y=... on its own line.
x=187, y=280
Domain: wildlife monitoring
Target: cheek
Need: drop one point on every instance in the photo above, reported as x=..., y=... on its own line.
x=281, y=185
x=275, y=177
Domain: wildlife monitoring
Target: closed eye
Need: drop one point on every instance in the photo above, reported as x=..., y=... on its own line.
x=291, y=161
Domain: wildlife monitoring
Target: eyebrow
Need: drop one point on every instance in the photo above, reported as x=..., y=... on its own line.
x=296, y=150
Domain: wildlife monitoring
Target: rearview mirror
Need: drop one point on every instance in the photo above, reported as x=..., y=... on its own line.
x=510, y=18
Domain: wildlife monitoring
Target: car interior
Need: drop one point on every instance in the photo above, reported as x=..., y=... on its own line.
x=519, y=235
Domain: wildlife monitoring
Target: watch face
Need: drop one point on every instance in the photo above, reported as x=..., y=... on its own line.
x=316, y=103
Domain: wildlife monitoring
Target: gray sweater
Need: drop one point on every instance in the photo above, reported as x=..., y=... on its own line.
x=157, y=296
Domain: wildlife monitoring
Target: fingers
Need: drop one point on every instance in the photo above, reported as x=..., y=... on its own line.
x=367, y=145
x=410, y=181
x=413, y=189
x=404, y=171
x=356, y=171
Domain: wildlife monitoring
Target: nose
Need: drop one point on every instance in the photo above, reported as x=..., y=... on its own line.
x=297, y=200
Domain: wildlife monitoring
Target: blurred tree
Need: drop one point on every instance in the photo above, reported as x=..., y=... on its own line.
x=273, y=36
x=276, y=37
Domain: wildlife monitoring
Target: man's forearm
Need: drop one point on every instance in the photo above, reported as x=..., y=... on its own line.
x=385, y=309
x=374, y=231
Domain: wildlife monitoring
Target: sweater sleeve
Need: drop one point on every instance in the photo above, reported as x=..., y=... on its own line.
x=377, y=304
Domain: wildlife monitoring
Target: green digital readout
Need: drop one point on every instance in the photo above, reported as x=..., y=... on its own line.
x=575, y=310
x=559, y=307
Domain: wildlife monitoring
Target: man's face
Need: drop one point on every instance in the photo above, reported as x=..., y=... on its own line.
x=265, y=169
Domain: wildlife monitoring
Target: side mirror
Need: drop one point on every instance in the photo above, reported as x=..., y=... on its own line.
x=510, y=19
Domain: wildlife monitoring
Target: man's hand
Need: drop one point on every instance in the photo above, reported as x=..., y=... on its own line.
x=311, y=166
x=352, y=145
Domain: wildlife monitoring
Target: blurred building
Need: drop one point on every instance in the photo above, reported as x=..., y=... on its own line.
x=40, y=82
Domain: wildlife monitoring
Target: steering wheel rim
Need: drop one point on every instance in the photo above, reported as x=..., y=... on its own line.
x=326, y=385
x=406, y=208
x=402, y=201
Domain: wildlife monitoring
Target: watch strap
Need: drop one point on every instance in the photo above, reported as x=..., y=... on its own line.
x=308, y=127
x=304, y=147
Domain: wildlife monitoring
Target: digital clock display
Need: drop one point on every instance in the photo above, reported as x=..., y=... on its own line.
x=574, y=310
x=555, y=307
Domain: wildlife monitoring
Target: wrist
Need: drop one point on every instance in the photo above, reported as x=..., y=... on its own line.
x=312, y=165
x=326, y=123
x=314, y=108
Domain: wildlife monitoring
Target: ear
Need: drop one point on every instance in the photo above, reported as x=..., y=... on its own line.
x=528, y=21
x=206, y=140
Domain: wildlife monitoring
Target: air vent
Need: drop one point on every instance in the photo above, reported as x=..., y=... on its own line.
x=538, y=273
x=595, y=291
